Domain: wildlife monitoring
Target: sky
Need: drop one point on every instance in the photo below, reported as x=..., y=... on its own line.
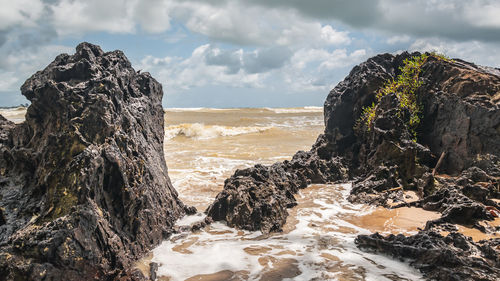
x=242, y=53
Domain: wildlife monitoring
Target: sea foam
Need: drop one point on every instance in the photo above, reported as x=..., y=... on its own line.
x=201, y=131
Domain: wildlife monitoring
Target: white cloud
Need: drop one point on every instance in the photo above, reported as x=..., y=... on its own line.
x=20, y=12
x=78, y=17
x=233, y=21
x=181, y=74
x=153, y=15
x=453, y=19
x=334, y=37
x=305, y=70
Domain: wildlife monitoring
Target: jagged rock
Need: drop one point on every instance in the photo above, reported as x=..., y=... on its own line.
x=257, y=198
x=460, y=121
x=84, y=189
x=460, y=117
x=451, y=258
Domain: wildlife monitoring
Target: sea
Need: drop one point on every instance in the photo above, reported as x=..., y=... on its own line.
x=204, y=146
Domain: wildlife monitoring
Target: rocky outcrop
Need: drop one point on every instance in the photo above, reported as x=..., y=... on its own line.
x=453, y=163
x=257, y=198
x=84, y=189
x=460, y=120
x=451, y=258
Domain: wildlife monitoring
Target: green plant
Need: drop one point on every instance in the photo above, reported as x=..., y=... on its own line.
x=404, y=87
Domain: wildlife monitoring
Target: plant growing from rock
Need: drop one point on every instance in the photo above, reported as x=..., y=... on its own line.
x=404, y=87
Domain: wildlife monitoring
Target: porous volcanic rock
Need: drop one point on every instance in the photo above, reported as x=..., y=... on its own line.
x=454, y=257
x=84, y=189
x=257, y=198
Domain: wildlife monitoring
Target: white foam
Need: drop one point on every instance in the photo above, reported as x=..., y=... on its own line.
x=295, y=122
x=222, y=248
x=182, y=109
x=188, y=220
x=209, y=254
x=201, y=131
x=16, y=115
x=304, y=109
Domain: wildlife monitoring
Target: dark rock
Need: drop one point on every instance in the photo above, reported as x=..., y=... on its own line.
x=153, y=268
x=257, y=198
x=84, y=188
x=459, y=123
x=454, y=257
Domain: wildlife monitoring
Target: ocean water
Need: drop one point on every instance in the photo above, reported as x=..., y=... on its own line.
x=204, y=146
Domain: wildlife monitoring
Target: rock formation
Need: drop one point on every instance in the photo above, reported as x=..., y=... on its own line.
x=257, y=198
x=454, y=257
x=459, y=128
x=84, y=189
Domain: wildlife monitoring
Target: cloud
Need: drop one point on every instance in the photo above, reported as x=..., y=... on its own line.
x=270, y=68
x=334, y=37
x=236, y=22
x=230, y=59
x=24, y=62
x=285, y=45
x=20, y=12
x=266, y=59
x=77, y=17
x=242, y=23
x=204, y=67
x=8, y=80
x=320, y=69
x=264, y=22
x=357, y=13
x=257, y=61
x=452, y=19
x=398, y=39
x=487, y=54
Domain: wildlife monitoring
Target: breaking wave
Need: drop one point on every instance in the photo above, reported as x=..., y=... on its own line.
x=201, y=131
x=304, y=109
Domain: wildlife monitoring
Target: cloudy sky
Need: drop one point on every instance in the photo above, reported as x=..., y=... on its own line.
x=242, y=53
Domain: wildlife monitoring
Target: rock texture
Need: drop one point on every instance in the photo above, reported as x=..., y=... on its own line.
x=460, y=123
x=257, y=198
x=84, y=189
x=451, y=258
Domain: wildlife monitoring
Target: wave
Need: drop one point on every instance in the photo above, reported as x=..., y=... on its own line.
x=175, y=109
x=201, y=131
x=199, y=109
x=304, y=109
x=277, y=110
x=15, y=114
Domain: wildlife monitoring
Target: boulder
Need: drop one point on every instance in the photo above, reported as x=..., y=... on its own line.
x=84, y=189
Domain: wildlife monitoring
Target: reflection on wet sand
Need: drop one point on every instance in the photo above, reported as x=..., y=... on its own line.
x=395, y=221
x=477, y=235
